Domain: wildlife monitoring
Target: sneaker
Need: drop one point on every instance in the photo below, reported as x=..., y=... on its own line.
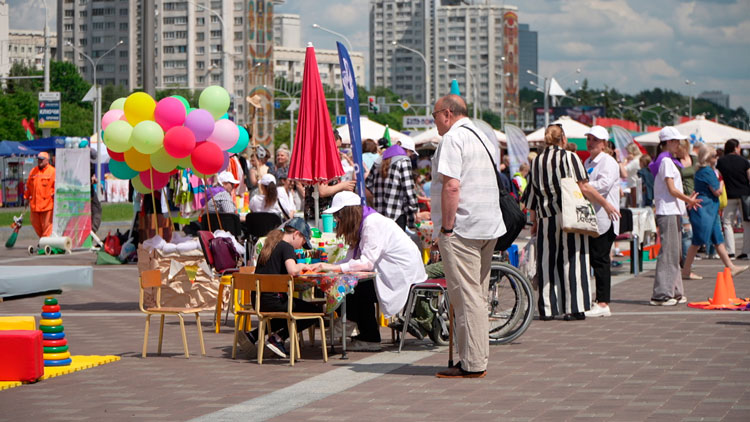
x=246, y=340
x=598, y=311
x=714, y=256
x=364, y=346
x=681, y=299
x=742, y=256
x=276, y=345
x=668, y=302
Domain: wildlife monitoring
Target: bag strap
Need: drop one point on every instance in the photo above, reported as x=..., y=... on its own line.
x=286, y=215
x=494, y=167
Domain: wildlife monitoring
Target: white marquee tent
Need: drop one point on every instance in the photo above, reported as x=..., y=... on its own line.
x=370, y=129
x=572, y=128
x=429, y=139
x=712, y=133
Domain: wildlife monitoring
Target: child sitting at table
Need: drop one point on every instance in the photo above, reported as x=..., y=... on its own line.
x=278, y=257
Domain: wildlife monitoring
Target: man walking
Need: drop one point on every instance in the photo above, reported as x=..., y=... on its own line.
x=465, y=208
x=40, y=192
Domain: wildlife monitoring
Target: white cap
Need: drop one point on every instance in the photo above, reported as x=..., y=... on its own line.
x=227, y=176
x=598, y=132
x=343, y=199
x=267, y=179
x=408, y=144
x=669, y=132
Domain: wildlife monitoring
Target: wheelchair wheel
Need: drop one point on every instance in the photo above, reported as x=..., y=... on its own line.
x=439, y=333
x=509, y=303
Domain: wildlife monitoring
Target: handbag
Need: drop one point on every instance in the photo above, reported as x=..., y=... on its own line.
x=578, y=215
x=723, y=200
x=513, y=218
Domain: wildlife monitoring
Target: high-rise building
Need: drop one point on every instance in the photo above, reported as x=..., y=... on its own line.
x=26, y=47
x=716, y=97
x=528, y=55
x=475, y=43
x=287, y=31
x=4, y=39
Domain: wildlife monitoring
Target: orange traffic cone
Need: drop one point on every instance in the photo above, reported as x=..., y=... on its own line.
x=730, y=285
x=721, y=297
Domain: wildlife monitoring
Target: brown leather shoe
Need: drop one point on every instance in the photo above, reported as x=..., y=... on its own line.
x=457, y=372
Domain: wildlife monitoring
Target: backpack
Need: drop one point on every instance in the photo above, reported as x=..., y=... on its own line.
x=112, y=244
x=224, y=254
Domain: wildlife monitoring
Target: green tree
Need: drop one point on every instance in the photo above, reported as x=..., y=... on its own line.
x=64, y=77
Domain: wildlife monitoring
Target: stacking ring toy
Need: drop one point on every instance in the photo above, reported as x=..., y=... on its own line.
x=51, y=315
x=56, y=356
x=62, y=362
x=52, y=329
x=55, y=343
x=50, y=301
x=51, y=308
x=57, y=349
x=52, y=336
x=50, y=322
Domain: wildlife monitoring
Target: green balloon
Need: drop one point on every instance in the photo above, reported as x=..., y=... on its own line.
x=183, y=101
x=215, y=100
x=117, y=136
x=121, y=170
x=185, y=162
x=163, y=162
x=118, y=104
x=148, y=137
x=242, y=142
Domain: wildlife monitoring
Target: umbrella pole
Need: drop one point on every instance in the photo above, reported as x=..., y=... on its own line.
x=316, y=198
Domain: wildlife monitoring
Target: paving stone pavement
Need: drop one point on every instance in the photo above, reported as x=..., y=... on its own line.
x=643, y=363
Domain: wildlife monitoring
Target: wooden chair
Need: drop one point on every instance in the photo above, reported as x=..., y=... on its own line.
x=266, y=283
x=226, y=281
x=152, y=278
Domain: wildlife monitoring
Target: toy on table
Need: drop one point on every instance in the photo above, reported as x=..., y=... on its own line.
x=55, y=344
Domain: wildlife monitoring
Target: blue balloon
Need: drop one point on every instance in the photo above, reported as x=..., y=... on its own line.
x=242, y=142
x=121, y=170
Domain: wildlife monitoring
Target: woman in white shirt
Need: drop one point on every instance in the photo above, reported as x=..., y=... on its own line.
x=286, y=194
x=670, y=204
x=376, y=243
x=267, y=200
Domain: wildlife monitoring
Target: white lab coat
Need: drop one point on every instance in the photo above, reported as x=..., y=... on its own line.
x=386, y=249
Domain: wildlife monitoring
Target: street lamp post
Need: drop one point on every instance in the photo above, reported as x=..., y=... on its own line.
x=690, y=84
x=649, y=108
x=322, y=28
x=426, y=74
x=546, y=95
x=97, y=104
x=291, y=113
x=474, y=83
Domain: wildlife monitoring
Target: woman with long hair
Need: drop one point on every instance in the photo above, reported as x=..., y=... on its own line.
x=267, y=200
x=562, y=258
x=278, y=257
x=377, y=244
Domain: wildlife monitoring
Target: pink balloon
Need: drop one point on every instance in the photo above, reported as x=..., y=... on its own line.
x=226, y=161
x=111, y=116
x=169, y=112
x=225, y=134
x=207, y=158
x=201, y=122
x=160, y=179
x=179, y=141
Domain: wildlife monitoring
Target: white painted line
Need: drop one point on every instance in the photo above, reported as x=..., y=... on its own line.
x=316, y=388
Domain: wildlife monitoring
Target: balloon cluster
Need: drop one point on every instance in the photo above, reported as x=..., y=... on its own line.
x=148, y=141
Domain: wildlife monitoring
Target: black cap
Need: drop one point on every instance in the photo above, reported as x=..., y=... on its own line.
x=301, y=226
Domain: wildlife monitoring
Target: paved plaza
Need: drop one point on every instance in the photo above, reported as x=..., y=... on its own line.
x=643, y=363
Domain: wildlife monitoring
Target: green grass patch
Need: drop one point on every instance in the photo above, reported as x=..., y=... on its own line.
x=110, y=212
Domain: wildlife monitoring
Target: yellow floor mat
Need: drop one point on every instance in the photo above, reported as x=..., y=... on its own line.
x=79, y=363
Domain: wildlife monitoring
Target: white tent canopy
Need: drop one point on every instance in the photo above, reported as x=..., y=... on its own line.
x=712, y=133
x=430, y=138
x=572, y=128
x=372, y=130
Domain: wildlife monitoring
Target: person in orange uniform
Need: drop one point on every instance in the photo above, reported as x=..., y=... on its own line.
x=40, y=192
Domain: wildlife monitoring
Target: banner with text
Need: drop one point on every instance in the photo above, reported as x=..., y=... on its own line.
x=351, y=102
x=418, y=122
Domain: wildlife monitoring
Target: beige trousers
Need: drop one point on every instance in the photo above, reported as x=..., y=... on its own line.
x=467, y=272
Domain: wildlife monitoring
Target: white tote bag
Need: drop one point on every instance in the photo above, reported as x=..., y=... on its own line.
x=578, y=215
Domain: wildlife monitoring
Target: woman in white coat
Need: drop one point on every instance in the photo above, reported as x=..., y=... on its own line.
x=376, y=243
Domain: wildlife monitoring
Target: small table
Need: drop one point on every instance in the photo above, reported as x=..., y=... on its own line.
x=335, y=286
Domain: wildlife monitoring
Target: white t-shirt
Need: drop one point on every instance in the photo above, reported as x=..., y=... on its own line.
x=287, y=201
x=460, y=155
x=632, y=173
x=667, y=204
x=257, y=204
x=604, y=176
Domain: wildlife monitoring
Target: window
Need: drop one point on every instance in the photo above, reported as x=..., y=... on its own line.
x=216, y=34
x=176, y=6
x=83, y=42
x=214, y=19
x=168, y=35
x=200, y=51
x=216, y=48
x=238, y=21
x=200, y=36
x=82, y=28
x=200, y=21
x=175, y=20
x=69, y=13
x=180, y=34
x=200, y=65
x=68, y=27
x=123, y=53
x=123, y=68
x=123, y=26
x=182, y=49
x=96, y=40
x=168, y=49
x=238, y=35
x=82, y=14
x=123, y=12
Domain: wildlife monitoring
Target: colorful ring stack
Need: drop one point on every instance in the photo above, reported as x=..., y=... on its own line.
x=55, y=344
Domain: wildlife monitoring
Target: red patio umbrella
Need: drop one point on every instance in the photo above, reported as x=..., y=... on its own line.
x=315, y=158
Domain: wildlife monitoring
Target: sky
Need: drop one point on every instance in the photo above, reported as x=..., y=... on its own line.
x=629, y=45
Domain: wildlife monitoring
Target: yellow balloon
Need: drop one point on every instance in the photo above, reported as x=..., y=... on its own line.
x=138, y=107
x=139, y=186
x=137, y=161
x=163, y=162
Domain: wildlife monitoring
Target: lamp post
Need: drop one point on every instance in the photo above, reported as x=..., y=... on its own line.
x=474, y=83
x=690, y=84
x=633, y=108
x=322, y=28
x=649, y=108
x=426, y=74
x=291, y=113
x=672, y=111
x=546, y=95
x=97, y=109
x=225, y=79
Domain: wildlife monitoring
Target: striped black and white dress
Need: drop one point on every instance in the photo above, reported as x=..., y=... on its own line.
x=562, y=258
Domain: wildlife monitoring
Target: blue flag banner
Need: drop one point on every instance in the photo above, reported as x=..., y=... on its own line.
x=351, y=102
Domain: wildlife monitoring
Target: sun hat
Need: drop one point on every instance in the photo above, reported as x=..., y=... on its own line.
x=598, y=132
x=301, y=226
x=408, y=144
x=668, y=133
x=267, y=179
x=343, y=199
x=227, y=176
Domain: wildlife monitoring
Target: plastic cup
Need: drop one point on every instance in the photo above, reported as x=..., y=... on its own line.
x=328, y=223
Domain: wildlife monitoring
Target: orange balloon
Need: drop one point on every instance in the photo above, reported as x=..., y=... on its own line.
x=137, y=161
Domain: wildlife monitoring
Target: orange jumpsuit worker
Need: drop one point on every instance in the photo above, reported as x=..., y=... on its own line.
x=40, y=192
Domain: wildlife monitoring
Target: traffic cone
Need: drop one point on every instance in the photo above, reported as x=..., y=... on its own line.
x=721, y=298
x=730, y=285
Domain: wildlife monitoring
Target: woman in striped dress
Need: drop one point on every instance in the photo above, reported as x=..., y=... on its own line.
x=562, y=258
